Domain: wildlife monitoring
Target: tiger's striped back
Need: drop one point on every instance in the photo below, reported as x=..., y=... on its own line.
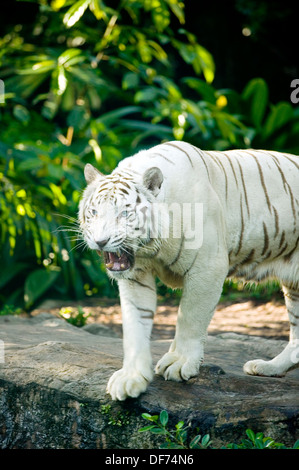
x=256, y=190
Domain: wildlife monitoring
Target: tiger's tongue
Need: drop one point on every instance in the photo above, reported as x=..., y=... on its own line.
x=116, y=263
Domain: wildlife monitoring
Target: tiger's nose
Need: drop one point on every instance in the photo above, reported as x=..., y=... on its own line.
x=102, y=243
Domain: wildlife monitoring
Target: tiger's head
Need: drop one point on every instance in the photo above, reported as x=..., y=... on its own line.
x=115, y=214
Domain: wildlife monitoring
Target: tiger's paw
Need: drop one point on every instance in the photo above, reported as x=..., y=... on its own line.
x=177, y=367
x=263, y=368
x=128, y=383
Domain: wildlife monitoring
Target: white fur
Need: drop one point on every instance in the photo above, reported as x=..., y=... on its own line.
x=250, y=229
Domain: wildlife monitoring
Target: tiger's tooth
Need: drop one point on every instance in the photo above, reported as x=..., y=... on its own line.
x=109, y=265
x=122, y=266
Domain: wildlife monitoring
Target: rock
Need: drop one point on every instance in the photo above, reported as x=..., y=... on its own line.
x=53, y=390
x=98, y=329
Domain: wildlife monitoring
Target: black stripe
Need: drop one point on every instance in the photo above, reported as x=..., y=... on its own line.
x=292, y=296
x=179, y=148
x=232, y=167
x=276, y=222
x=293, y=314
x=278, y=155
x=277, y=163
x=244, y=187
x=215, y=159
x=203, y=160
x=262, y=180
x=224, y=171
x=286, y=185
x=282, y=239
x=266, y=239
x=140, y=270
x=288, y=256
x=247, y=259
x=281, y=251
x=268, y=255
x=123, y=190
x=242, y=228
x=290, y=160
x=178, y=254
x=186, y=272
x=117, y=182
x=141, y=309
x=163, y=156
x=141, y=284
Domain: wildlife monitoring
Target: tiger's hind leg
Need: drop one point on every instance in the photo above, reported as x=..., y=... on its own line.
x=289, y=357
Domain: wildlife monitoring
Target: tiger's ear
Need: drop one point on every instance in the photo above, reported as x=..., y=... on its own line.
x=153, y=179
x=91, y=173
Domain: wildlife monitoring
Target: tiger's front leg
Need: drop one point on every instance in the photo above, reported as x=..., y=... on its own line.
x=138, y=302
x=202, y=290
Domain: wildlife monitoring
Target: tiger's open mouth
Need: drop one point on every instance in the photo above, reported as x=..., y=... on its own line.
x=117, y=261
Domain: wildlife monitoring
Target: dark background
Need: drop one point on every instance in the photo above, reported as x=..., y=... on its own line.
x=269, y=52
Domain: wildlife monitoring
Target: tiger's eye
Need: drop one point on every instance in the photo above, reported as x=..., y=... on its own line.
x=94, y=212
x=124, y=213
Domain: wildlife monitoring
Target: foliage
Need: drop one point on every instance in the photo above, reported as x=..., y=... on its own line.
x=119, y=418
x=258, y=441
x=88, y=82
x=10, y=310
x=74, y=317
x=178, y=438
x=175, y=438
x=235, y=290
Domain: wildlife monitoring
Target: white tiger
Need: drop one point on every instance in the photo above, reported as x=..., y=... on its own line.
x=249, y=229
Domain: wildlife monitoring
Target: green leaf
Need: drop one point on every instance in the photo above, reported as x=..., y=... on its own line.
x=21, y=113
x=97, y=9
x=259, y=444
x=88, y=76
x=9, y=272
x=130, y=80
x=50, y=107
x=195, y=442
x=146, y=428
x=146, y=95
x=38, y=68
x=296, y=445
x=268, y=442
x=24, y=85
x=112, y=117
x=37, y=283
x=205, y=440
x=150, y=417
x=58, y=194
x=75, y=12
x=157, y=430
x=177, y=10
x=163, y=417
x=30, y=164
x=78, y=117
x=256, y=93
x=161, y=18
x=250, y=434
x=179, y=425
x=280, y=115
x=204, y=89
x=70, y=57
